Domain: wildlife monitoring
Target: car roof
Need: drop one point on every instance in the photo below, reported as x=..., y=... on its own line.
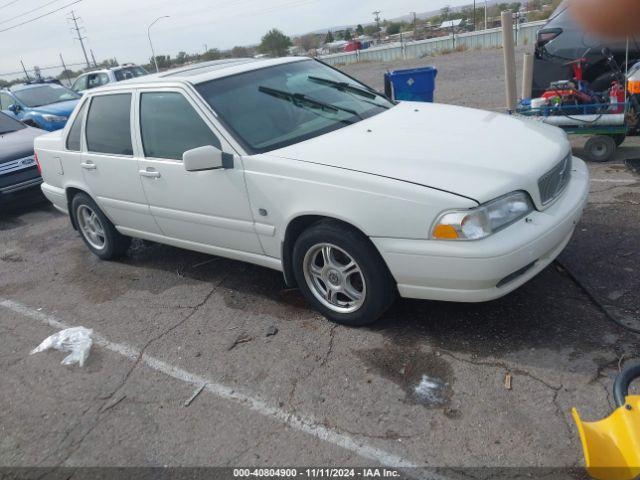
x=27, y=86
x=202, y=72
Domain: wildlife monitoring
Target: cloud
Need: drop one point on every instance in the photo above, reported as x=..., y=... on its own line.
x=118, y=28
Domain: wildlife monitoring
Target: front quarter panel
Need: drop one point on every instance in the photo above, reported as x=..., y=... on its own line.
x=378, y=206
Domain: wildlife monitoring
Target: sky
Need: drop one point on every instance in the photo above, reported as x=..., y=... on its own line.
x=118, y=28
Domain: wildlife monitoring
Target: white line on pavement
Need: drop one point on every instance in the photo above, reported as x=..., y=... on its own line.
x=614, y=180
x=299, y=422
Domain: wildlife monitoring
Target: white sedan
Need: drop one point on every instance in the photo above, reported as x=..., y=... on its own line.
x=292, y=165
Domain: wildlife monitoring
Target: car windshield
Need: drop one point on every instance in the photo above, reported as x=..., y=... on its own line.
x=8, y=124
x=278, y=106
x=561, y=8
x=45, y=95
x=129, y=72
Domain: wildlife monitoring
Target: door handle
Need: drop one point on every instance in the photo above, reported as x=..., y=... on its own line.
x=149, y=173
x=88, y=165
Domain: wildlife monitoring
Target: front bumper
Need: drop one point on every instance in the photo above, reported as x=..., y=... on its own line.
x=478, y=271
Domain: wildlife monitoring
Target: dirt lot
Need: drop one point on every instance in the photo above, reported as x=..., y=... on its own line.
x=308, y=392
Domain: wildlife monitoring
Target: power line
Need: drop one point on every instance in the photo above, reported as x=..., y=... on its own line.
x=28, y=12
x=39, y=17
x=8, y=4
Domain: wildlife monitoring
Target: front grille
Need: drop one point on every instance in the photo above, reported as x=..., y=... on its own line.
x=552, y=183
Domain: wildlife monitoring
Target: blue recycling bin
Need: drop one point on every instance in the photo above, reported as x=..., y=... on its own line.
x=415, y=85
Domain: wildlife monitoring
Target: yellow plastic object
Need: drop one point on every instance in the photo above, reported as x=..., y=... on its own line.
x=612, y=446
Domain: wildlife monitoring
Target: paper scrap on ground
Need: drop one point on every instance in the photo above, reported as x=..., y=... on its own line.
x=76, y=340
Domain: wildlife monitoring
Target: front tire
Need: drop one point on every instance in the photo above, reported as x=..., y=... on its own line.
x=96, y=230
x=342, y=275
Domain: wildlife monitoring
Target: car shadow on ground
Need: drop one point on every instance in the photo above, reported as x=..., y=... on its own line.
x=551, y=312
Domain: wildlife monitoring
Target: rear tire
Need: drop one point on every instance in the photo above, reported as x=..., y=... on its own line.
x=342, y=274
x=619, y=138
x=96, y=230
x=600, y=148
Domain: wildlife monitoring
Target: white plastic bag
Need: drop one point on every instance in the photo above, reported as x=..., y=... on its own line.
x=76, y=340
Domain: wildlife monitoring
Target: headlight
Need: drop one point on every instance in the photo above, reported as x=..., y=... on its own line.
x=483, y=221
x=53, y=118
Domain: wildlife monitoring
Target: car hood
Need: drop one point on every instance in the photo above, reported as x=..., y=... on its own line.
x=473, y=153
x=18, y=144
x=61, y=108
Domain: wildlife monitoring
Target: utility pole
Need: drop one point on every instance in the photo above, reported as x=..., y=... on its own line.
x=25, y=71
x=80, y=38
x=93, y=57
x=415, y=25
x=153, y=53
x=64, y=69
x=376, y=15
x=485, y=14
x=474, y=15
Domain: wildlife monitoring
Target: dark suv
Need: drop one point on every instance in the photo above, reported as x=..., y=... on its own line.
x=561, y=40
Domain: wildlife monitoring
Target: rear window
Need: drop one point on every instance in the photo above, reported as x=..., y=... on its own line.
x=129, y=72
x=108, y=124
x=73, y=140
x=45, y=95
x=8, y=124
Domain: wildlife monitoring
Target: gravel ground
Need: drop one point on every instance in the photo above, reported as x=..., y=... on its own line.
x=313, y=393
x=473, y=78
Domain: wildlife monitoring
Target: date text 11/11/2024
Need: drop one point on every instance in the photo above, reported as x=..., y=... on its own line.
x=316, y=473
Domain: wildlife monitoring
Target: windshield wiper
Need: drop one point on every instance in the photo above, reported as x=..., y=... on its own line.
x=300, y=99
x=344, y=86
x=347, y=87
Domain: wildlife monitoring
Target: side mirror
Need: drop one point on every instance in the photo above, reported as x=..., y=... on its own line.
x=206, y=158
x=14, y=107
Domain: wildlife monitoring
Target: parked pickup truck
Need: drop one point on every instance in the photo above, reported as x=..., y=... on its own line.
x=292, y=165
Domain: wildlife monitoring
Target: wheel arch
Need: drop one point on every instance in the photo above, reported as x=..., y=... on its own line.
x=71, y=192
x=294, y=229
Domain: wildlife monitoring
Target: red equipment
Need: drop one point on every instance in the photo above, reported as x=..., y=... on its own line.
x=352, y=46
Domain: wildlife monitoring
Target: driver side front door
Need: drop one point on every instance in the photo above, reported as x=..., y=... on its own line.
x=206, y=208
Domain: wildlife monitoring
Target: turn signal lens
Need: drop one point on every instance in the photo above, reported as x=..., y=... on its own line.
x=445, y=232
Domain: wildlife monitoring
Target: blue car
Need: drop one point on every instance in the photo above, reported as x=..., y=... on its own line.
x=42, y=105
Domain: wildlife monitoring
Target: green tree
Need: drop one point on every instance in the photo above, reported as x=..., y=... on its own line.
x=309, y=41
x=371, y=30
x=212, y=54
x=329, y=38
x=359, y=30
x=181, y=58
x=240, y=52
x=393, y=28
x=164, y=61
x=347, y=34
x=275, y=43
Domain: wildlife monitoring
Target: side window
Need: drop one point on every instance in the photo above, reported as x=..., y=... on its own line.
x=80, y=84
x=73, y=140
x=103, y=79
x=108, y=124
x=170, y=126
x=5, y=101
